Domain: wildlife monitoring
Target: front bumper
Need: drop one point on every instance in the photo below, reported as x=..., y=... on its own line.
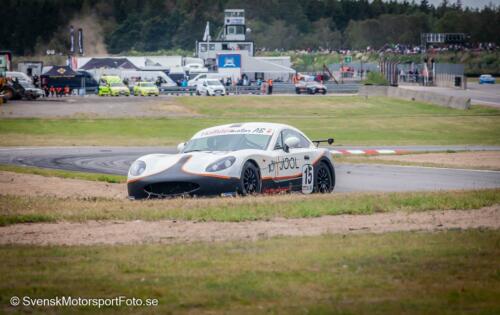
x=174, y=182
x=216, y=92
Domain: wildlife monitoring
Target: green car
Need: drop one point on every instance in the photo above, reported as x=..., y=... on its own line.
x=113, y=86
x=146, y=89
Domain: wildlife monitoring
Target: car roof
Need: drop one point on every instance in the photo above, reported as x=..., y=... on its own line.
x=246, y=127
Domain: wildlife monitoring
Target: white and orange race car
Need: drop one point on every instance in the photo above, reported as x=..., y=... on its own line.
x=236, y=159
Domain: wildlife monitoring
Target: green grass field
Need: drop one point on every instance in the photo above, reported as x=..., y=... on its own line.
x=63, y=174
x=350, y=119
x=452, y=272
x=15, y=209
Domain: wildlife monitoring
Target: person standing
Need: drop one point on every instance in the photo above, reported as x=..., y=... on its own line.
x=270, y=86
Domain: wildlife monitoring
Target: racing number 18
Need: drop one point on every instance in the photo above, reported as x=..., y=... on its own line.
x=307, y=179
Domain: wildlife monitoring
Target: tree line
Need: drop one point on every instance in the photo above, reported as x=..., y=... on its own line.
x=150, y=25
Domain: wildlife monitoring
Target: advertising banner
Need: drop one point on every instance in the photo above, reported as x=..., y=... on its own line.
x=80, y=41
x=72, y=39
x=229, y=61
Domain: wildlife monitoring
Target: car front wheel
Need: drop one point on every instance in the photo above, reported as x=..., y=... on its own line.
x=250, y=179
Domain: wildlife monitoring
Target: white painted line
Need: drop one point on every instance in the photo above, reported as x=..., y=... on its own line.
x=335, y=152
x=356, y=152
x=385, y=151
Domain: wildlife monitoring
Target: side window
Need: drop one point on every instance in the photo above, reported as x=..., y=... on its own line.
x=279, y=143
x=304, y=143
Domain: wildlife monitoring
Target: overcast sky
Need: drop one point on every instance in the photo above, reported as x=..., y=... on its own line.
x=467, y=3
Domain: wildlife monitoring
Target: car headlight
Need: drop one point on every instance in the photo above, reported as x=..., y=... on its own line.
x=221, y=164
x=137, y=168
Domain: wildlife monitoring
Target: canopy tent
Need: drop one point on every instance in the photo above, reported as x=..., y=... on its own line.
x=60, y=72
x=251, y=64
x=108, y=63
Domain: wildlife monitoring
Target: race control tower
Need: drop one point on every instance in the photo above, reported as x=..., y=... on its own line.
x=232, y=38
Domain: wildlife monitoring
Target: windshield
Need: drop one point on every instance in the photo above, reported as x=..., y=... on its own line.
x=213, y=83
x=116, y=84
x=147, y=84
x=233, y=142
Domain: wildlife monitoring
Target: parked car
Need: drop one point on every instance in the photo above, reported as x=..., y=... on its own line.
x=210, y=87
x=146, y=89
x=310, y=87
x=236, y=159
x=195, y=68
x=486, y=79
x=30, y=91
x=112, y=86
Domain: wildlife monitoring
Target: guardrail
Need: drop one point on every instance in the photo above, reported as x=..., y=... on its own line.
x=278, y=88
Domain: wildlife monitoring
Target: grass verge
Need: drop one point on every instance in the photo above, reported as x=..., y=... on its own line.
x=350, y=119
x=63, y=174
x=15, y=209
x=450, y=272
x=480, y=160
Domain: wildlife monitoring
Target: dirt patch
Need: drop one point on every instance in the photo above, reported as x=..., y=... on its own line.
x=93, y=106
x=489, y=160
x=139, y=232
x=36, y=185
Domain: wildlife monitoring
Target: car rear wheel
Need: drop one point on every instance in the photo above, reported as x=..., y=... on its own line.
x=324, y=179
x=250, y=179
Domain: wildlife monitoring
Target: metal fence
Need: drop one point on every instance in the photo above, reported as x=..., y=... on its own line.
x=278, y=88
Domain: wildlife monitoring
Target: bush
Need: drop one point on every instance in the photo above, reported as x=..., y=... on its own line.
x=375, y=78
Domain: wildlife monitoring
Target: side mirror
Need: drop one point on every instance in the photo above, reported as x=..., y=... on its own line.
x=330, y=141
x=181, y=146
x=291, y=142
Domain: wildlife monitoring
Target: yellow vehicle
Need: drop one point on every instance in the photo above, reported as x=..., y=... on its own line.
x=146, y=89
x=113, y=86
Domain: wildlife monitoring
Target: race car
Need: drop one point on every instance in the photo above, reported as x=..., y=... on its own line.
x=486, y=79
x=236, y=159
x=310, y=87
x=146, y=89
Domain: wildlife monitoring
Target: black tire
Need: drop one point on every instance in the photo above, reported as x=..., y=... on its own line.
x=324, y=179
x=8, y=93
x=323, y=92
x=208, y=94
x=250, y=180
x=297, y=91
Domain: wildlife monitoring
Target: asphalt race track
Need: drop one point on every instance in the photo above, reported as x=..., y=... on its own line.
x=350, y=177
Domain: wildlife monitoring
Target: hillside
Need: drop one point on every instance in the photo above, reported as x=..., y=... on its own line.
x=152, y=25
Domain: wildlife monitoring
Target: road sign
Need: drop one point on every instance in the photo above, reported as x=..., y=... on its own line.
x=347, y=59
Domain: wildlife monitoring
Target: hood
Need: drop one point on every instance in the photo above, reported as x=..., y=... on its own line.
x=197, y=162
x=119, y=88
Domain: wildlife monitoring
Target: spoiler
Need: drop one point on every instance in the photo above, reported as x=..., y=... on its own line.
x=329, y=140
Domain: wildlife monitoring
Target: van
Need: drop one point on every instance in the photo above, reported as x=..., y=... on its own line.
x=20, y=76
x=202, y=76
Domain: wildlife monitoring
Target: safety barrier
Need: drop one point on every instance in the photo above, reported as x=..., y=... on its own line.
x=456, y=102
x=278, y=88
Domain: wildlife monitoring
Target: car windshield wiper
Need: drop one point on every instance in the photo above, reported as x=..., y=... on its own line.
x=191, y=151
